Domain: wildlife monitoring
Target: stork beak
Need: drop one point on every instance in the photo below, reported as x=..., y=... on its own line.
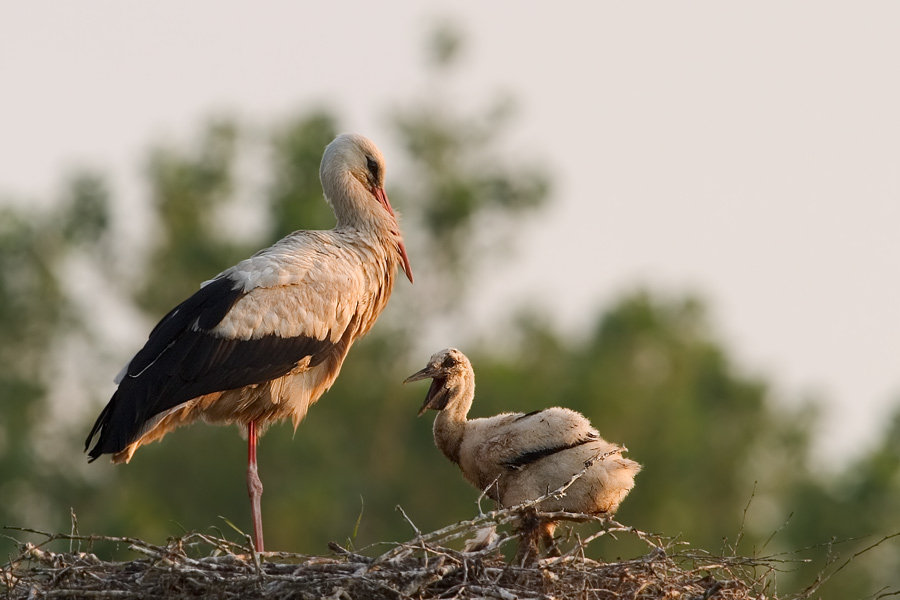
x=406, y=266
x=437, y=397
x=426, y=373
x=382, y=197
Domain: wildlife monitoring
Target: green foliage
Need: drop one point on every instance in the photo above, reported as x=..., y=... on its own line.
x=86, y=207
x=36, y=318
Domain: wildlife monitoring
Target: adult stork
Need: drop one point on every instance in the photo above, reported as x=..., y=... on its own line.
x=263, y=340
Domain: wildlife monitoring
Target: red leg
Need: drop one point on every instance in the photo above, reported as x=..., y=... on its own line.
x=254, y=487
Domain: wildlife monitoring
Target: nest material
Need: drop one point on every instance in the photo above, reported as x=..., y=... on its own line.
x=203, y=566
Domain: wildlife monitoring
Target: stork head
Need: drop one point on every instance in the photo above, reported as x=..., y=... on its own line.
x=449, y=371
x=352, y=174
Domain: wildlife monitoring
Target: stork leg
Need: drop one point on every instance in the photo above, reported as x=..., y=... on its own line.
x=547, y=529
x=254, y=487
x=528, y=530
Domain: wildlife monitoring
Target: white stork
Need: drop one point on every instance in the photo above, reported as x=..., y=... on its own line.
x=518, y=457
x=263, y=340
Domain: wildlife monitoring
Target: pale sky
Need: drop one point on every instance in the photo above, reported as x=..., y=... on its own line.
x=749, y=152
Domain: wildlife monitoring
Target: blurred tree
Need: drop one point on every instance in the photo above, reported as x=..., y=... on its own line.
x=856, y=508
x=30, y=307
x=36, y=318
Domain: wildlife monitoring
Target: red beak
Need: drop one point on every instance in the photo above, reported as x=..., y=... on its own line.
x=382, y=197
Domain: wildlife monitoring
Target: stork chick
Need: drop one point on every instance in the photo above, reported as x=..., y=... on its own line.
x=263, y=340
x=516, y=457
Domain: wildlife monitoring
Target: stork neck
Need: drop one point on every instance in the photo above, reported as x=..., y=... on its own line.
x=354, y=205
x=450, y=423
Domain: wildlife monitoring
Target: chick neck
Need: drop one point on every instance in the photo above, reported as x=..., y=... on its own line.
x=450, y=423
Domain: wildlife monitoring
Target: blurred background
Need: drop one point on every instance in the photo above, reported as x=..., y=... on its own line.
x=679, y=219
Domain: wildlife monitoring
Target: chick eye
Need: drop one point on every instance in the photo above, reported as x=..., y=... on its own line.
x=449, y=361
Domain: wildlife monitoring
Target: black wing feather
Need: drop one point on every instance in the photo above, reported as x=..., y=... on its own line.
x=531, y=414
x=532, y=456
x=207, y=307
x=179, y=363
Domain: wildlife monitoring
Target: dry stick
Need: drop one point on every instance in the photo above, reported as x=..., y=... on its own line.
x=166, y=554
x=776, y=532
x=484, y=493
x=611, y=527
x=218, y=543
x=64, y=536
x=74, y=527
x=740, y=535
x=408, y=520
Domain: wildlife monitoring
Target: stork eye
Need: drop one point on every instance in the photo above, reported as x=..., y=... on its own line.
x=449, y=361
x=372, y=164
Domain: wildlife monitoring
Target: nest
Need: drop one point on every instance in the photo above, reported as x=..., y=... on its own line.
x=203, y=566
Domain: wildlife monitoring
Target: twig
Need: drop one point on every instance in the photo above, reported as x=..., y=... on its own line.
x=484, y=493
x=408, y=520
